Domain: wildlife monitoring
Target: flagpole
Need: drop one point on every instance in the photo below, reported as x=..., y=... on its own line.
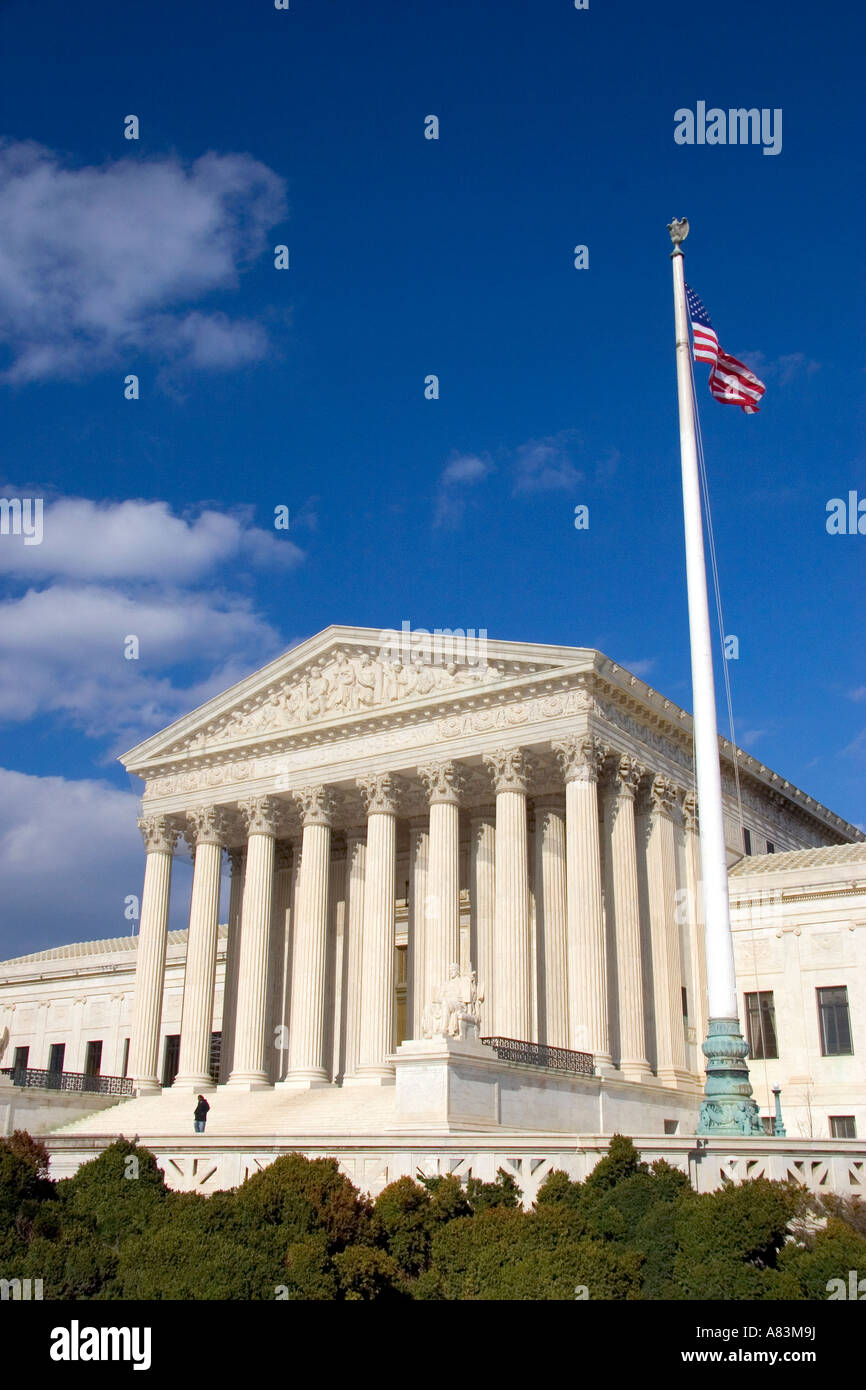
x=728, y=1107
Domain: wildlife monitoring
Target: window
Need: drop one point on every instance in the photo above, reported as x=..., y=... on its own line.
x=747, y=840
x=171, y=1059
x=843, y=1127
x=771, y=848
x=21, y=1059
x=672, y=1126
x=125, y=1068
x=835, y=1022
x=56, y=1056
x=93, y=1058
x=685, y=998
x=761, y=1024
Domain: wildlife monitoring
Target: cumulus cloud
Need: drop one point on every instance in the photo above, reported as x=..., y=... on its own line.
x=141, y=540
x=70, y=854
x=102, y=262
x=461, y=472
x=108, y=572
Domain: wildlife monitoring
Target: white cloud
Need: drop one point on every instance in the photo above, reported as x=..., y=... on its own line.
x=138, y=540
x=782, y=370
x=70, y=853
x=545, y=465
x=99, y=264
x=462, y=471
x=62, y=652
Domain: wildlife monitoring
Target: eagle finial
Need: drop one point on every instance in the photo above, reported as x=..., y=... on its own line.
x=679, y=229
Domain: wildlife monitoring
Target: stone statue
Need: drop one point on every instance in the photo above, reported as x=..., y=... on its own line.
x=454, y=1008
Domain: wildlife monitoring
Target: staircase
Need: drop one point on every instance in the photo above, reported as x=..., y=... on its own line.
x=330, y=1110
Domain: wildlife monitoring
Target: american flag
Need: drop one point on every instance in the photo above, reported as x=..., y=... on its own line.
x=730, y=380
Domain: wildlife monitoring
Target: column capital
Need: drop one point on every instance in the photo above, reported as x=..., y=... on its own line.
x=235, y=855
x=261, y=815
x=318, y=805
x=690, y=811
x=381, y=792
x=626, y=773
x=580, y=757
x=661, y=796
x=207, y=825
x=510, y=769
x=444, y=781
x=159, y=833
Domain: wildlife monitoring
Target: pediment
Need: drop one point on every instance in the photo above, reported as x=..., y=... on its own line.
x=350, y=674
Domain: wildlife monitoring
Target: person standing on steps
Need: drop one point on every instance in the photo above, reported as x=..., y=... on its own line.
x=200, y=1115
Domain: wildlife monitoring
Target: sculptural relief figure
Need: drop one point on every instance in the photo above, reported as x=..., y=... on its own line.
x=454, y=1010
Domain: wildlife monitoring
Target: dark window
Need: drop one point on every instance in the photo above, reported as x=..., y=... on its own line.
x=761, y=1024
x=125, y=1067
x=171, y=1059
x=843, y=1127
x=93, y=1058
x=771, y=848
x=835, y=1022
x=56, y=1057
x=215, y=1049
x=21, y=1059
x=685, y=998
x=747, y=840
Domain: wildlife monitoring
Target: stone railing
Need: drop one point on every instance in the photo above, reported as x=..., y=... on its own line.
x=540, y=1055
x=70, y=1081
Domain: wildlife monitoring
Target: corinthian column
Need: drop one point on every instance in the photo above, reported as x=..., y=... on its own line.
x=551, y=915
x=160, y=838
x=482, y=894
x=206, y=835
x=249, y=1070
x=626, y=908
x=237, y=861
x=419, y=857
x=377, y=952
x=444, y=782
x=278, y=970
x=580, y=759
x=664, y=932
x=353, y=925
x=512, y=968
x=307, y=1065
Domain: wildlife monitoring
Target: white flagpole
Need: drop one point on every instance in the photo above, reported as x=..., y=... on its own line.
x=728, y=1107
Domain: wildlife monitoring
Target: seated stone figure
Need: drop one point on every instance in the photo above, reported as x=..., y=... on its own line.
x=454, y=1002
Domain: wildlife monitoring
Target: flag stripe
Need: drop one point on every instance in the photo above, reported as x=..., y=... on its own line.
x=730, y=380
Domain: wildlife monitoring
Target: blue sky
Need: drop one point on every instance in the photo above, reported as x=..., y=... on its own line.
x=305, y=387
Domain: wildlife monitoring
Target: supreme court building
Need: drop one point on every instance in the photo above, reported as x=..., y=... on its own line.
x=525, y=822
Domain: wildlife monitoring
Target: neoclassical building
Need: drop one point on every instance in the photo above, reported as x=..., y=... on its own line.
x=531, y=816
x=368, y=823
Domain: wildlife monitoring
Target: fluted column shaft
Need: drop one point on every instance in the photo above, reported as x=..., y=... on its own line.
x=356, y=858
x=482, y=893
x=377, y=954
x=626, y=902
x=201, y=952
x=588, y=1026
x=278, y=970
x=159, y=839
x=237, y=861
x=664, y=932
x=249, y=1068
x=444, y=782
x=307, y=1064
x=512, y=969
x=418, y=989
x=551, y=916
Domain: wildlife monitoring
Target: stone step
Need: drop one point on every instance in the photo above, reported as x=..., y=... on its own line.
x=330, y=1109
